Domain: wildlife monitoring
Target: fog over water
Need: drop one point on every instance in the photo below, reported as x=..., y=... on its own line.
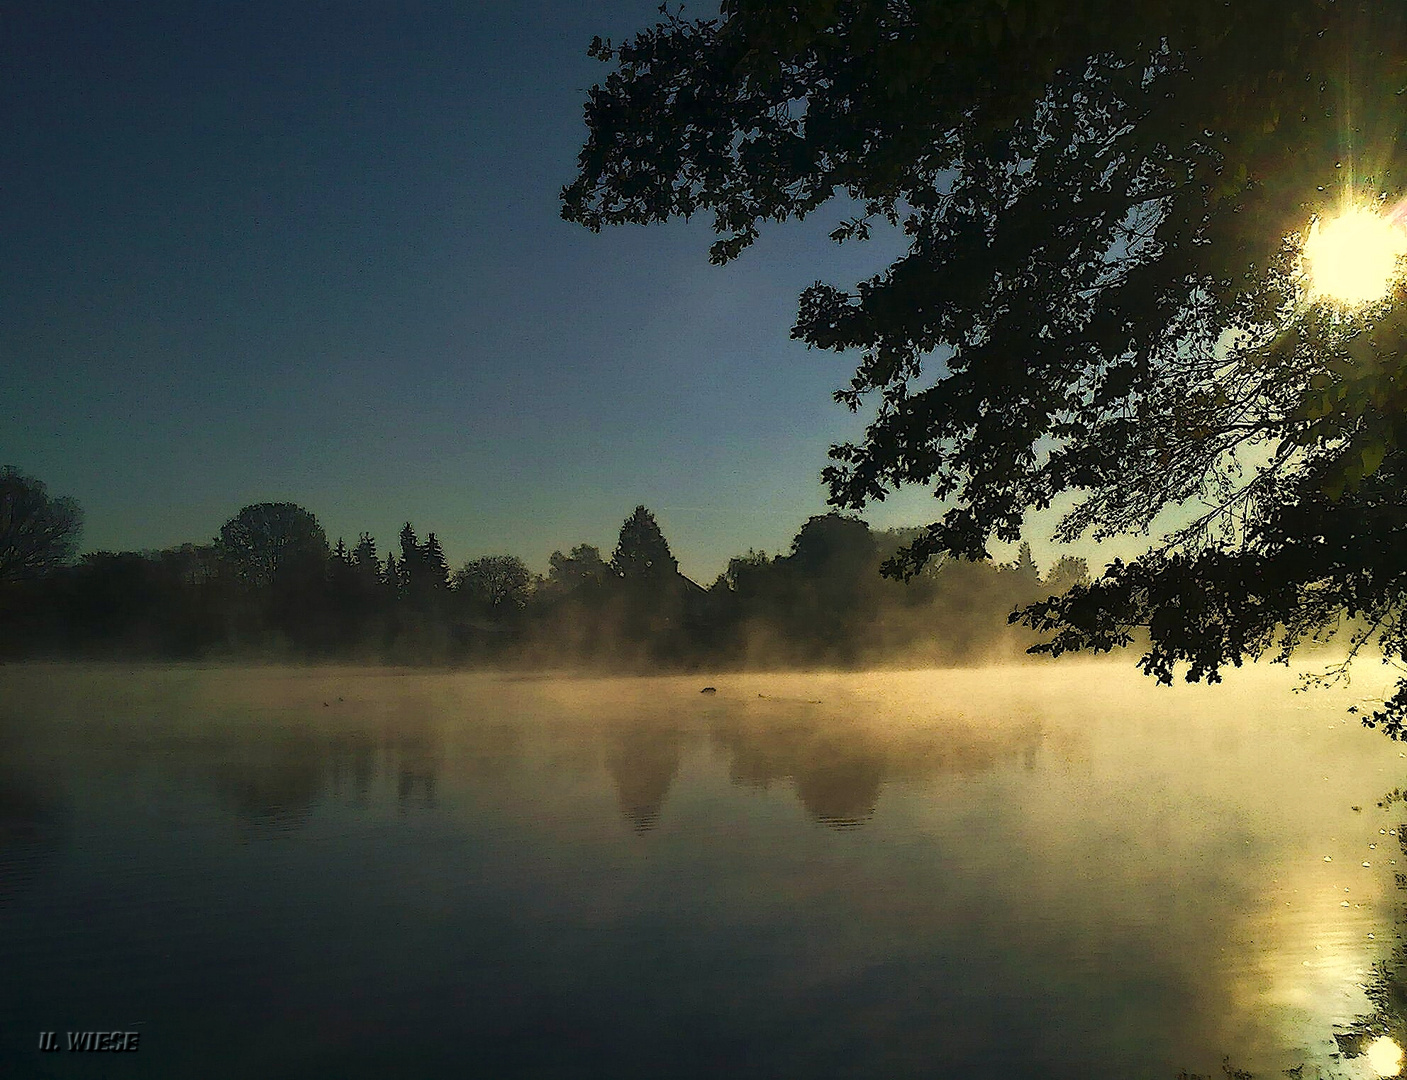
x=1057, y=870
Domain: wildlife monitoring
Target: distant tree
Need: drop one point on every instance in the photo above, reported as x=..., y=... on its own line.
x=365, y=559
x=412, y=564
x=37, y=533
x=268, y=540
x=584, y=567
x=1068, y=572
x=835, y=546
x=1025, y=565
x=494, y=584
x=745, y=571
x=391, y=576
x=190, y=564
x=642, y=554
x=435, y=568
x=341, y=570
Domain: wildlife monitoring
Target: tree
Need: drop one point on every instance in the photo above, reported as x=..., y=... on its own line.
x=1103, y=297
x=1067, y=572
x=412, y=564
x=365, y=559
x=745, y=572
x=494, y=584
x=583, y=568
x=392, y=575
x=1025, y=566
x=37, y=533
x=266, y=542
x=642, y=554
x=436, y=569
x=833, y=545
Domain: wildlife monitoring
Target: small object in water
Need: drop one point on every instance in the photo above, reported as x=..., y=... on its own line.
x=1328, y=858
x=1356, y=809
x=325, y=705
x=709, y=690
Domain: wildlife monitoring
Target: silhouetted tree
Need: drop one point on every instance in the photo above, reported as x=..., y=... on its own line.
x=37, y=533
x=436, y=569
x=1067, y=572
x=583, y=568
x=1025, y=566
x=412, y=564
x=833, y=546
x=829, y=599
x=1102, y=295
x=365, y=559
x=642, y=554
x=268, y=540
x=391, y=576
x=494, y=585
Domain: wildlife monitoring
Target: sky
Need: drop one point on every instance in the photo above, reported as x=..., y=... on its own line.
x=313, y=253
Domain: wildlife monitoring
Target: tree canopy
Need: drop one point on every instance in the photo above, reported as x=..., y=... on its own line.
x=38, y=532
x=267, y=541
x=1103, y=304
x=642, y=553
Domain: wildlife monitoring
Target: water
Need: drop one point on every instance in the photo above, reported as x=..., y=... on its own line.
x=1057, y=871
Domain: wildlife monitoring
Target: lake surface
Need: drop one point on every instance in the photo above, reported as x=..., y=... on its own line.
x=1053, y=871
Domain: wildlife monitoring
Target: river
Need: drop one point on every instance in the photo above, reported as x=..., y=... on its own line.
x=1059, y=870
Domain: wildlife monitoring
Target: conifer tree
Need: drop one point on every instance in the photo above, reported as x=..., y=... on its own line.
x=364, y=557
x=642, y=553
x=412, y=560
x=392, y=577
x=436, y=568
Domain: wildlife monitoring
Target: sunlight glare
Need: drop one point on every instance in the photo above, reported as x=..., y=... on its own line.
x=1353, y=258
x=1385, y=1056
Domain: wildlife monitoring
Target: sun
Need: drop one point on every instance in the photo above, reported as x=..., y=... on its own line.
x=1354, y=257
x=1385, y=1056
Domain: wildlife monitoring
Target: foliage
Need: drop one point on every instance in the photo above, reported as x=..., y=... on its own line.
x=412, y=563
x=642, y=554
x=495, y=583
x=1101, y=300
x=435, y=566
x=37, y=533
x=270, y=586
x=267, y=541
x=365, y=559
x=391, y=575
x=582, y=568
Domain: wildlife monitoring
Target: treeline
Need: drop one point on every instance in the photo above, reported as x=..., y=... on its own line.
x=271, y=585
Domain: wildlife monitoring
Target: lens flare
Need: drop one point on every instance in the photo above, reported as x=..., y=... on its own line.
x=1354, y=258
x=1385, y=1056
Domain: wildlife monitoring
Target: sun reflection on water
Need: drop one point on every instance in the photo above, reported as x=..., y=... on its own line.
x=1385, y=1056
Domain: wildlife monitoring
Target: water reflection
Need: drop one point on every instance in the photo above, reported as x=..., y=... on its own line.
x=269, y=781
x=628, y=876
x=30, y=834
x=1385, y=1056
x=31, y=823
x=1377, y=1036
x=838, y=764
x=643, y=760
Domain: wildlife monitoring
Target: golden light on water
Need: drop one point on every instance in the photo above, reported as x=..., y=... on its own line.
x=1385, y=1056
x=1354, y=257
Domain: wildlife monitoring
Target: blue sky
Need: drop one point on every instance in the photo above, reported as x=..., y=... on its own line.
x=313, y=252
